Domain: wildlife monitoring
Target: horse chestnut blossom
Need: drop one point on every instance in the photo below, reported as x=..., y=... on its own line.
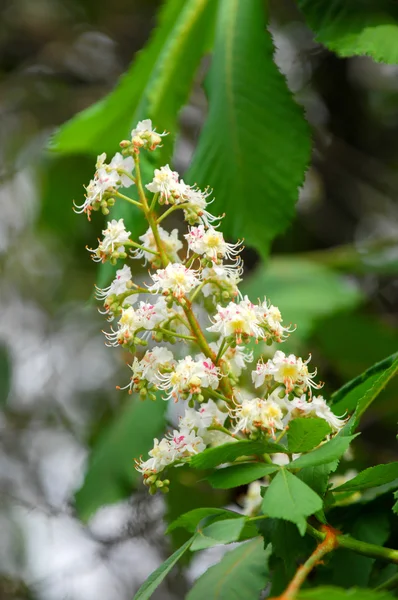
x=198, y=330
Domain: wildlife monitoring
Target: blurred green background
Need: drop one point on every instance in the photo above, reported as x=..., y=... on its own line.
x=333, y=272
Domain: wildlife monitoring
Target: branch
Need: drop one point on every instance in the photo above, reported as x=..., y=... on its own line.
x=328, y=544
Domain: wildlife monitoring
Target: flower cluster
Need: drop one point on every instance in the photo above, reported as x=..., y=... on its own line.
x=191, y=318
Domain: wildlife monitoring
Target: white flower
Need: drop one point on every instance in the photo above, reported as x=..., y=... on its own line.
x=237, y=319
x=211, y=243
x=252, y=500
x=225, y=276
x=201, y=419
x=185, y=444
x=289, y=370
x=271, y=319
x=162, y=455
x=119, y=164
x=175, y=279
x=154, y=360
x=316, y=407
x=197, y=204
x=164, y=182
x=115, y=236
x=236, y=358
x=147, y=316
x=144, y=135
x=257, y=414
x=119, y=286
x=189, y=377
x=170, y=242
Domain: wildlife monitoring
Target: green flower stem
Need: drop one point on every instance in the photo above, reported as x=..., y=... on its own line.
x=154, y=200
x=131, y=243
x=350, y=543
x=221, y=350
x=179, y=335
x=328, y=544
x=170, y=210
x=218, y=395
x=222, y=429
x=124, y=172
x=123, y=197
x=150, y=215
x=198, y=289
x=197, y=332
x=390, y=584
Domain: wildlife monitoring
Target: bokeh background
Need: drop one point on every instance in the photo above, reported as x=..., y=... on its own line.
x=333, y=273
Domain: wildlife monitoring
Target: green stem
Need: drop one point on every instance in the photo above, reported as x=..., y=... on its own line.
x=129, y=175
x=170, y=210
x=131, y=243
x=389, y=584
x=221, y=396
x=179, y=335
x=220, y=428
x=123, y=197
x=328, y=544
x=198, y=289
x=154, y=200
x=350, y=543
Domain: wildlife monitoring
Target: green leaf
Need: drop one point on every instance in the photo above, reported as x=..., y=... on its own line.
x=352, y=28
x=335, y=593
x=395, y=507
x=371, y=477
x=212, y=457
x=111, y=473
x=317, y=477
x=241, y=573
x=374, y=390
x=156, y=578
x=191, y=519
x=304, y=291
x=324, y=454
x=288, y=498
x=156, y=85
x=255, y=145
x=225, y=531
x=304, y=434
x=237, y=475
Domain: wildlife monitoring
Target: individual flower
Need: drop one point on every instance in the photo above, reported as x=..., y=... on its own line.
x=270, y=318
x=289, y=370
x=147, y=316
x=210, y=243
x=236, y=357
x=188, y=378
x=256, y=414
x=237, y=320
x=195, y=211
x=315, y=407
x=174, y=279
x=107, y=179
x=223, y=280
x=145, y=136
x=120, y=285
x=148, y=369
x=112, y=246
x=170, y=242
x=165, y=182
x=176, y=447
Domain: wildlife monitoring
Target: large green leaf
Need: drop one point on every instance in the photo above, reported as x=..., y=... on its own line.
x=255, y=145
x=224, y=531
x=317, y=477
x=288, y=498
x=326, y=453
x=111, y=473
x=371, y=394
x=372, y=477
x=335, y=593
x=304, y=434
x=156, y=85
x=212, y=457
x=241, y=573
x=191, y=519
x=237, y=475
x=304, y=291
x=350, y=28
x=156, y=578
